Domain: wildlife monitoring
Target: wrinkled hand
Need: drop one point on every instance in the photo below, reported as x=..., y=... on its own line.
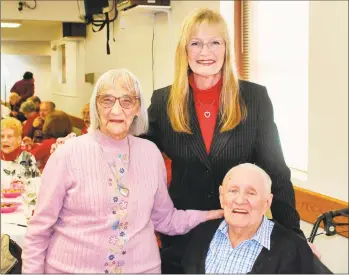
x=28, y=141
x=37, y=122
x=214, y=214
x=315, y=250
x=61, y=141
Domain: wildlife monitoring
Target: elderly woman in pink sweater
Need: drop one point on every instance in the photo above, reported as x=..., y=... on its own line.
x=104, y=194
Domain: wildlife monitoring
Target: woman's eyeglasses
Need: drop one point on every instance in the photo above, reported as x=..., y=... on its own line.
x=108, y=101
x=197, y=46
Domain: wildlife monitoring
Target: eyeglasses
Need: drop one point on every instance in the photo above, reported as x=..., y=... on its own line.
x=197, y=46
x=108, y=101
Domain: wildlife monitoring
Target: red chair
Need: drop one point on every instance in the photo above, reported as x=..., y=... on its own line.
x=168, y=163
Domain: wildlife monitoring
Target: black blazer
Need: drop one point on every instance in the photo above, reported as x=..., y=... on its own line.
x=197, y=175
x=288, y=252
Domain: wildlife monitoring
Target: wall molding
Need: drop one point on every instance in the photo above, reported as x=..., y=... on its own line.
x=310, y=205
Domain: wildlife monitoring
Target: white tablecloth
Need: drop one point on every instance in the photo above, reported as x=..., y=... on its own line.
x=9, y=221
x=16, y=232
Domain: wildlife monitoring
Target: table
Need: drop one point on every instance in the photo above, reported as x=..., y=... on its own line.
x=16, y=233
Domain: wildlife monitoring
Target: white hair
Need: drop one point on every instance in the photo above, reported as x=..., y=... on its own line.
x=266, y=179
x=107, y=80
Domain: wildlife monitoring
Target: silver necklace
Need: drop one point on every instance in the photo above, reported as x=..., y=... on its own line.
x=207, y=114
x=122, y=189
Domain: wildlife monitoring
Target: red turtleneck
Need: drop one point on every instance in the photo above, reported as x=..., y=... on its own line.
x=13, y=155
x=206, y=101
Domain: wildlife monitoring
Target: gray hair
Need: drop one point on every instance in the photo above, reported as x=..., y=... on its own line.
x=266, y=178
x=27, y=107
x=107, y=80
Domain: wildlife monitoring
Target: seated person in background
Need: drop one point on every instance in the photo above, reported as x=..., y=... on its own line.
x=246, y=241
x=25, y=87
x=57, y=124
x=5, y=111
x=86, y=118
x=45, y=108
x=15, y=106
x=15, y=163
x=36, y=100
x=29, y=111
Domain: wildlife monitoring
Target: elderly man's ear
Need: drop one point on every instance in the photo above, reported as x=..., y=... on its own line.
x=221, y=195
x=269, y=201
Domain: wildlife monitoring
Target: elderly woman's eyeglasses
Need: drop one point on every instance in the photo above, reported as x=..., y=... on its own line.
x=108, y=101
x=197, y=46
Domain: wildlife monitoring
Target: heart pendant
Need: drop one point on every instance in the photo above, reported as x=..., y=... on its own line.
x=207, y=114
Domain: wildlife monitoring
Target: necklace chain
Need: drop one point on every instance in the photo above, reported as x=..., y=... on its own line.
x=207, y=113
x=204, y=106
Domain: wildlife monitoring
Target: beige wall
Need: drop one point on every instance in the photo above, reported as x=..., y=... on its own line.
x=328, y=98
x=328, y=118
x=133, y=46
x=72, y=95
x=14, y=66
x=132, y=50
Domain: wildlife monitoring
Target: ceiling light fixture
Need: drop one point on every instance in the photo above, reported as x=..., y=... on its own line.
x=10, y=25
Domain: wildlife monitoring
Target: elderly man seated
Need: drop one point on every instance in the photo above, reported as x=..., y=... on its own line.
x=246, y=241
x=45, y=108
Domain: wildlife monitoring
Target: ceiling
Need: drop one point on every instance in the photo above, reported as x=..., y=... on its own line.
x=32, y=30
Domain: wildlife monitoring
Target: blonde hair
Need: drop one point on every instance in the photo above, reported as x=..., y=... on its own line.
x=13, y=95
x=12, y=123
x=232, y=108
x=131, y=83
x=86, y=107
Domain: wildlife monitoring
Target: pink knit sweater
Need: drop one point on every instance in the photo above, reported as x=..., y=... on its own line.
x=85, y=222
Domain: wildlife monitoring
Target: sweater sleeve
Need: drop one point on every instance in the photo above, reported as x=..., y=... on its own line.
x=166, y=218
x=47, y=212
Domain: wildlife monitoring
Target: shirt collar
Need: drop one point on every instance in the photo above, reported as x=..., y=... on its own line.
x=262, y=236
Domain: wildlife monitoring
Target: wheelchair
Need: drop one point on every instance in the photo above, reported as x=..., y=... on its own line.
x=330, y=229
x=330, y=226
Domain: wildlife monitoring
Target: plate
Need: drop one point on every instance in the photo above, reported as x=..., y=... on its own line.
x=9, y=207
x=11, y=193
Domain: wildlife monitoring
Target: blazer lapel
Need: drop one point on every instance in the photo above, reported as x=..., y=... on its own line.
x=195, y=140
x=219, y=139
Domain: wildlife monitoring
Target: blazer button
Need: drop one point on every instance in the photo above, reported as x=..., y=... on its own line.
x=210, y=195
x=207, y=171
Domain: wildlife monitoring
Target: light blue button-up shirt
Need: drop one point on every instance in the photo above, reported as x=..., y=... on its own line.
x=223, y=258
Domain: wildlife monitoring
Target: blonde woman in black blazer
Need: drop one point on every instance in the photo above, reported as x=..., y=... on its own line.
x=243, y=129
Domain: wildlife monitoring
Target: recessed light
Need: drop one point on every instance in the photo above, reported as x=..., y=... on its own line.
x=10, y=25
